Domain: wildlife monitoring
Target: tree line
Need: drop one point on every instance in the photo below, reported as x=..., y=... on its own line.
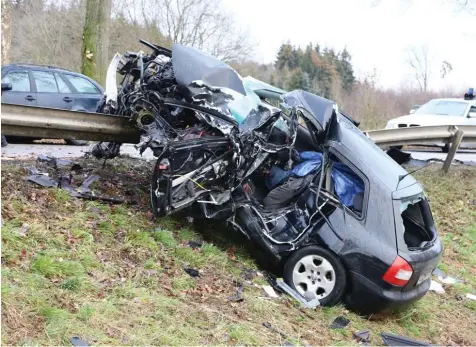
x=83, y=35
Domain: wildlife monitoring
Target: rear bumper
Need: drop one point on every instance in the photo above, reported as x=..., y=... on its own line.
x=367, y=297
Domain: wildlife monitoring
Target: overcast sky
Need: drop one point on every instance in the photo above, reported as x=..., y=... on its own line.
x=376, y=32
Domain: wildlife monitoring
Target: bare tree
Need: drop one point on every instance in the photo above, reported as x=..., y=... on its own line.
x=419, y=61
x=6, y=30
x=96, y=39
x=48, y=33
x=203, y=24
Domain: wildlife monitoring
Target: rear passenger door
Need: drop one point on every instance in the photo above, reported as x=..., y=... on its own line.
x=51, y=90
x=85, y=94
x=22, y=92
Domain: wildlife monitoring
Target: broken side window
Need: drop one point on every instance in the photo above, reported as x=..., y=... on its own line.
x=346, y=184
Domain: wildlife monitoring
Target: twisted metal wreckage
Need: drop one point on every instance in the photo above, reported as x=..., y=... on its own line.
x=214, y=135
x=287, y=177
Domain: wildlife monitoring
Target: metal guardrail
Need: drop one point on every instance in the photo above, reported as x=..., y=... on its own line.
x=421, y=135
x=43, y=122
x=427, y=135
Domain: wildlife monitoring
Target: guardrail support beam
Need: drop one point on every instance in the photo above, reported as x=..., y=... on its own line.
x=455, y=142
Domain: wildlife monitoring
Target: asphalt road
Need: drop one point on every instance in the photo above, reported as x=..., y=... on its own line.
x=31, y=151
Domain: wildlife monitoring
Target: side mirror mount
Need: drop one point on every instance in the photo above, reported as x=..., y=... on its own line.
x=472, y=115
x=6, y=86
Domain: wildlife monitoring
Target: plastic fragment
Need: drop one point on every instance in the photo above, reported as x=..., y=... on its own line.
x=448, y=280
x=471, y=296
x=438, y=272
x=340, y=322
x=236, y=297
x=308, y=304
x=77, y=341
x=270, y=291
x=194, y=244
x=362, y=336
x=192, y=272
x=437, y=288
x=396, y=340
x=43, y=180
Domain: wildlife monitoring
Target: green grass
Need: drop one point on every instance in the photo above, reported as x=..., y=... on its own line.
x=114, y=277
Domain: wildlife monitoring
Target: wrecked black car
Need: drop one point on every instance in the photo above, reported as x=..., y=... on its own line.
x=289, y=170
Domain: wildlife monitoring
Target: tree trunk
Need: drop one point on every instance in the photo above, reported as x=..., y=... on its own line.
x=94, y=59
x=6, y=30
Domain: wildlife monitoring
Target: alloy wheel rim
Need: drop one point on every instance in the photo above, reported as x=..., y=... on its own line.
x=314, y=277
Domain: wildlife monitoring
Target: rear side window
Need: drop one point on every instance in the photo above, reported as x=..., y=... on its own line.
x=45, y=82
x=62, y=86
x=19, y=79
x=82, y=85
x=346, y=185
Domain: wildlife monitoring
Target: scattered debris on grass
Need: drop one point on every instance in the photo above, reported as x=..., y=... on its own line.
x=270, y=291
x=340, y=322
x=437, y=288
x=194, y=244
x=79, y=342
x=192, y=272
x=270, y=327
x=64, y=180
x=444, y=278
x=237, y=296
x=362, y=336
x=471, y=296
x=284, y=287
x=396, y=340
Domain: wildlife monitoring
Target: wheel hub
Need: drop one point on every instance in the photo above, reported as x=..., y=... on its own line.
x=314, y=277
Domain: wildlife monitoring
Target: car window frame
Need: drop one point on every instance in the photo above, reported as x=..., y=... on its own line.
x=343, y=159
x=59, y=74
x=32, y=77
x=32, y=84
x=73, y=88
x=469, y=110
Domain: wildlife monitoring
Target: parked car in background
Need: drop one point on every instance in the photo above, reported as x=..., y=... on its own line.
x=448, y=111
x=50, y=86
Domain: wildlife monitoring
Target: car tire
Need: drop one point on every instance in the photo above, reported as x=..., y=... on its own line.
x=446, y=148
x=76, y=142
x=316, y=272
x=4, y=141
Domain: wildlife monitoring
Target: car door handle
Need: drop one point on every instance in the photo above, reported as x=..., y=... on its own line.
x=67, y=99
x=30, y=98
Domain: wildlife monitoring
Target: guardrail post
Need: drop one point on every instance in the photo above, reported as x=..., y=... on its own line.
x=455, y=142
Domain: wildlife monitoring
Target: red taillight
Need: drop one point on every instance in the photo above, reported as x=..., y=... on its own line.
x=399, y=273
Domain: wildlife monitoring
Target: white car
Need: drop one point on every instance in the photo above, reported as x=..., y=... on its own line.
x=450, y=111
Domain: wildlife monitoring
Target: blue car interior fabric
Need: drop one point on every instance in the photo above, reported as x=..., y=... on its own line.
x=346, y=183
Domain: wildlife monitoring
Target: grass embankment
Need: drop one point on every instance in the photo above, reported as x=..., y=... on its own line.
x=111, y=275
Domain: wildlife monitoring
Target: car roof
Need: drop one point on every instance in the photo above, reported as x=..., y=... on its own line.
x=29, y=66
x=37, y=66
x=472, y=102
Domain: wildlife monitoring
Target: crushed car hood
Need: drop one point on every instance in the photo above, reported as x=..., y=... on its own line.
x=192, y=65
